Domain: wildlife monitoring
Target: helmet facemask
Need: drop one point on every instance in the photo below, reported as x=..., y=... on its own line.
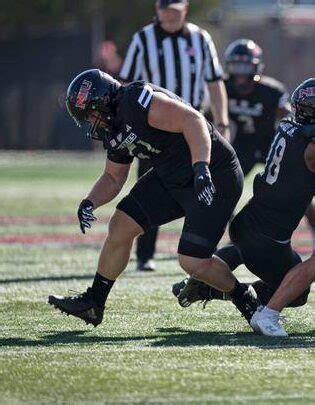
x=102, y=125
x=241, y=68
x=243, y=73
x=304, y=112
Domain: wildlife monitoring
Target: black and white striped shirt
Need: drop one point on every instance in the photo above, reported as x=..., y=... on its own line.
x=181, y=62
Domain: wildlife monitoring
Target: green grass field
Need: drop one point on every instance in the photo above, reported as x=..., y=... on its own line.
x=148, y=349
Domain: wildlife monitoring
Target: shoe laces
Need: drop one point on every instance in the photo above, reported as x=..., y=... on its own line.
x=208, y=299
x=275, y=316
x=204, y=303
x=225, y=297
x=79, y=294
x=278, y=318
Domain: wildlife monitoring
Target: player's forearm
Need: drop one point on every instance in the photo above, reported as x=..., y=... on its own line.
x=219, y=108
x=293, y=285
x=104, y=190
x=219, y=102
x=198, y=138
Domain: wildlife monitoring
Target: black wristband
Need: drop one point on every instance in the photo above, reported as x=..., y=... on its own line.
x=86, y=202
x=200, y=165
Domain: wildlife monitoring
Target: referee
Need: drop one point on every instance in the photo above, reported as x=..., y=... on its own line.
x=181, y=57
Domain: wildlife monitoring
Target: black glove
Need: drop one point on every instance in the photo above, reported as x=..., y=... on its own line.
x=85, y=214
x=203, y=184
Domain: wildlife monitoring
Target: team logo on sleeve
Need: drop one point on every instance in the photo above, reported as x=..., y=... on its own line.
x=128, y=141
x=145, y=96
x=83, y=94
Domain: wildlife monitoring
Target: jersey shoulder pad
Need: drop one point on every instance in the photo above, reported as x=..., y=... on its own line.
x=136, y=101
x=272, y=84
x=140, y=93
x=293, y=128
x=289, y=127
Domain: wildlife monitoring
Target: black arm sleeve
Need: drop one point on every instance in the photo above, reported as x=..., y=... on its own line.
x=118, y=158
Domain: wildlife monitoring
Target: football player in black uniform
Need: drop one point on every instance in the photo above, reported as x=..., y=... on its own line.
x=195, y=175
x=300, y=278
x=261, y=232
x=256, y=103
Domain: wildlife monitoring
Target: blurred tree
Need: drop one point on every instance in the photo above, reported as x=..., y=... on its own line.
x=121, y=17
x=16, y=12
x=124, y=18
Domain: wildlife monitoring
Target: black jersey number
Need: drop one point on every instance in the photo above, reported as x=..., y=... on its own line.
x=248, y=124
x=274, y=166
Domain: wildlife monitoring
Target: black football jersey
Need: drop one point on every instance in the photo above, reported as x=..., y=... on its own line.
x=286, y=186
x=168, y=152
x=253, y=116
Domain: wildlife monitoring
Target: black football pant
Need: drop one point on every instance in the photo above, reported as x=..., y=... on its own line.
x=152, y=203
x=146, y=242
x=268, y=259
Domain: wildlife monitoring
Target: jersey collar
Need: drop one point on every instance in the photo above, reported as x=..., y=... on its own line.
x=180, y=33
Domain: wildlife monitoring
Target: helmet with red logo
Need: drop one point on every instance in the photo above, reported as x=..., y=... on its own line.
x=303, y=102
x=243, y=57
x=93, y=92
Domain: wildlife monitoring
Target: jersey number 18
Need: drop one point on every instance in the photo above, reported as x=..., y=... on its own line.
x=274, y=160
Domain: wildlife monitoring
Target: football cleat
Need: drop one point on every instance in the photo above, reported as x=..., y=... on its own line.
x=248, y=303
x=81, y=306
x=191, y=290
x=267, y=323
x=178, y=287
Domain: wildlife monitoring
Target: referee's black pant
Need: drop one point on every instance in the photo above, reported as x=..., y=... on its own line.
x=146, y=242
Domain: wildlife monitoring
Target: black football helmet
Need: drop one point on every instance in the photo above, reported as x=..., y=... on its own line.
x=303, y=102
x=93, y=91
x=243, y=57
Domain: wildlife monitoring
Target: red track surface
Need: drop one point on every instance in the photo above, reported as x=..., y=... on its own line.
x=167, y=240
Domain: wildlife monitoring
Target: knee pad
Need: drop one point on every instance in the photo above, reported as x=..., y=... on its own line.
x=195, y=246
x=230, y=255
